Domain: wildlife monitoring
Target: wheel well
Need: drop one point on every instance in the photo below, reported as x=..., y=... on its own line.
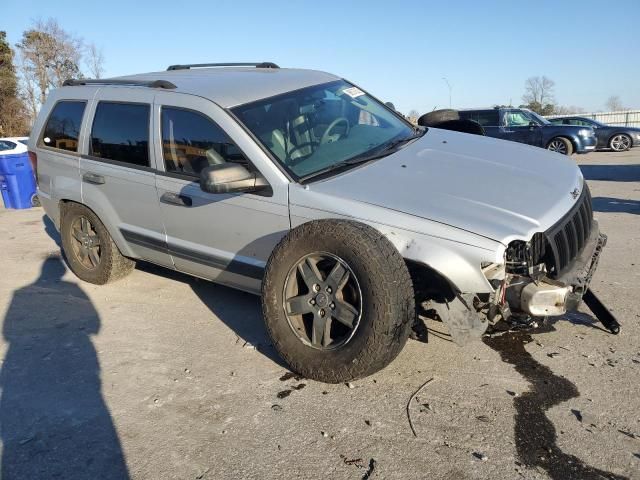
x=429, y=284
x=573, y=144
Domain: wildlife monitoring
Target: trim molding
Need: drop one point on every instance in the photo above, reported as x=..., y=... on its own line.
x=238, y=267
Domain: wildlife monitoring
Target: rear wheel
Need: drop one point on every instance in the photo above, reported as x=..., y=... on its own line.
x=89, y=249
x=620, y=143
x=560, y=145
x=337, y=300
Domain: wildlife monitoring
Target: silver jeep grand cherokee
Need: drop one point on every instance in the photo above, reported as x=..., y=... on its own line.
x=299, y=186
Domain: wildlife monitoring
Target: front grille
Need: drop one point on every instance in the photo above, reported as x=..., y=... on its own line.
x=568, y=237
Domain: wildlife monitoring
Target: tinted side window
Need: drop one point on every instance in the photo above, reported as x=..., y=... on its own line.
x=192, y=141
x=7, y=145
x=488, y=118
x=63, y=126
x=121, y=132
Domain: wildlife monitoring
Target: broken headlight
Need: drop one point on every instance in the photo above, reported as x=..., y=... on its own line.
x=521, y=256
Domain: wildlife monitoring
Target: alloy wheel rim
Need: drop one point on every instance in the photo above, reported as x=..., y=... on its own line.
x=620, y=143
x=322, y=301
x=558, y=146
x=86, y=243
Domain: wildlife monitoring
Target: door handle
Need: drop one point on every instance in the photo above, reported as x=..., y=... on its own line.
x=176, y=199
x=93, y=178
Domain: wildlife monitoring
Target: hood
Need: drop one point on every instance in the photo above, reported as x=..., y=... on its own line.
x=497, y=189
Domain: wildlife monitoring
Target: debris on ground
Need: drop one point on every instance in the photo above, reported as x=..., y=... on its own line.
x=413, y=430
x=480, y=456
x=369, y=472
x=350, y=385
x=577, y=414
x=324, y=434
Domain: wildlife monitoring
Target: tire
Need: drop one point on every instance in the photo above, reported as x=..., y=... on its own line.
x=560, y=145
x=620, y=142
x=376, y=275
x=431, y=119
x=110, y=265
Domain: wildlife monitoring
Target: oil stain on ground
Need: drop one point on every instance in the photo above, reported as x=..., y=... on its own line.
x=535, y=435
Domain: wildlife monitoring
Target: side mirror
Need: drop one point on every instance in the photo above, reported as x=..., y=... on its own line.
x=230, y=177
x=532, y=125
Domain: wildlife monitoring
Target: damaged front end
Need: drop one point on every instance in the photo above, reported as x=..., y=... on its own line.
x=548, y=275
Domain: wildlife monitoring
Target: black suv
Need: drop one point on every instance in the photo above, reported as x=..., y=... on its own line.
x=524, y=126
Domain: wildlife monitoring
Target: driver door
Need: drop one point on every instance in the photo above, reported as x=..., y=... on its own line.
x=223, y=237
x=516, y=126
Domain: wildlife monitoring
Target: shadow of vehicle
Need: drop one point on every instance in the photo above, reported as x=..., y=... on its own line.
x=240, y=311
x=535, y=435
x=54, y=422
x=612, y=173
x=616, y=205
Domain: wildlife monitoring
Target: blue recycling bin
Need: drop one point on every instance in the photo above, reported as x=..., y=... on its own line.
x=17, y=181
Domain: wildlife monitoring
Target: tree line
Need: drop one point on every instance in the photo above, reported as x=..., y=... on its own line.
x=539, y=97
x=43, y=59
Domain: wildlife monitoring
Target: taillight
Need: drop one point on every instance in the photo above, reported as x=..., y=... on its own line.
x=33, y=158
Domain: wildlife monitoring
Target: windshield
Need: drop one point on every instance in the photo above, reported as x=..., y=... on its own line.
x=317, y=128
x=538, y=118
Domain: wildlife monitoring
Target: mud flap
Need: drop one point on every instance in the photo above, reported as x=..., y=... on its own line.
x=463, y=322
x=601, y=312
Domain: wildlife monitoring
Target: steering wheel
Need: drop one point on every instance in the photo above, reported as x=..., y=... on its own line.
x=328, y=138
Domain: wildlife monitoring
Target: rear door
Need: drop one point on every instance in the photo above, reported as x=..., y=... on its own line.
x=118, y=172
x=224, y=237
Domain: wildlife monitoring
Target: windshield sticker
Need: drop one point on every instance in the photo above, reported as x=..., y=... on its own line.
x=353, y=92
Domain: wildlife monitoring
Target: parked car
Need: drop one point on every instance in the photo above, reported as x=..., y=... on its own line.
x=10, y=145
x=301, y=187
x=615, y=137
x=524, y=126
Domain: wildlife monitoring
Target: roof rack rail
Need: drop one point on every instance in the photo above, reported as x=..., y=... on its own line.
x=72, y=82
x=203, y=65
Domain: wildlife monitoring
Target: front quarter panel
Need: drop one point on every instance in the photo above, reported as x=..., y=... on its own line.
x=454, y=253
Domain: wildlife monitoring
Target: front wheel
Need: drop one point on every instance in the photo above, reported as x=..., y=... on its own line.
x=620, y=143
x=337, y=300
x=560, y=145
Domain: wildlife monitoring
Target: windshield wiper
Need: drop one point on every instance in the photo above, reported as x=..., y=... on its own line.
x=387, y=150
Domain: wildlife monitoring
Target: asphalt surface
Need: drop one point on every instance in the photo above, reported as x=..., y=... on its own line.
x=163, y=376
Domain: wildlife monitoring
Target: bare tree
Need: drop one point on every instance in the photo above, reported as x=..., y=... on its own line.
x=94, y=61
x=49, y=55
x=538, y=94
x=567, y=110
x=614, y=103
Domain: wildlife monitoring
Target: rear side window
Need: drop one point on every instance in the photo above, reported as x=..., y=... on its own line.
x=63, y=126
x=191, y=141
x=7, y=145
x=120, y=132
x=486, y=118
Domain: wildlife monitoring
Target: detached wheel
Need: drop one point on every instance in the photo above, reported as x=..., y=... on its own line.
x=89, y=249
x=620, y=143
x=560, y=145
x=337, y=300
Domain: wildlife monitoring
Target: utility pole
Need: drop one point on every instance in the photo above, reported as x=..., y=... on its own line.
x=448, y=85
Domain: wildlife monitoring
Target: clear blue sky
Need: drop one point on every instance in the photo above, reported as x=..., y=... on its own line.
x=398, y=50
